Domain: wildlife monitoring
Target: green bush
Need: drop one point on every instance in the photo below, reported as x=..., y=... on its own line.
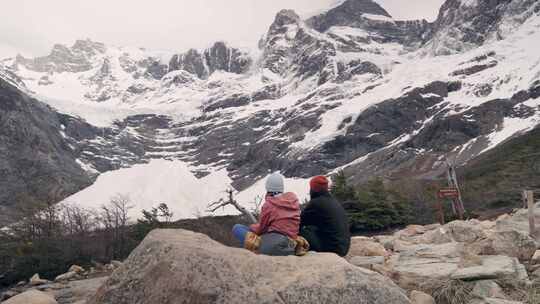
x=371, y=207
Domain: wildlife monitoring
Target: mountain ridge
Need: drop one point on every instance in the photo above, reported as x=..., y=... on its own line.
x=373, y=96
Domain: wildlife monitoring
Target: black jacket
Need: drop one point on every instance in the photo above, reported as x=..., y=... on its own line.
x=330, y=220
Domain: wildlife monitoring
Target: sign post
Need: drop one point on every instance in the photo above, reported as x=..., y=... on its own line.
x=451, y=193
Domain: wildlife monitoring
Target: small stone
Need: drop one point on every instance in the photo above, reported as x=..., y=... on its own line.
x=488, y=289
x=21, y=283
x=76, y=268
x=536, y=257
x=116, y=264
x=418, y=297
x=66, y=276
x=35, y=280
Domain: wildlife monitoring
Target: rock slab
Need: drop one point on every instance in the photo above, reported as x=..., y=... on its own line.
x=418, y=297
x=178, y=266
x=31, y=297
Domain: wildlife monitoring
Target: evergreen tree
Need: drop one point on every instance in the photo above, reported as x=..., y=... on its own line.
x=340, y=189
x=372, y=206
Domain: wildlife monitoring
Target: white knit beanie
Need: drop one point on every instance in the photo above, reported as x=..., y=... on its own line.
x=274, y=183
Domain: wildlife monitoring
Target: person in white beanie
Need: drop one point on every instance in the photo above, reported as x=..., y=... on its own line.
x=279, y=221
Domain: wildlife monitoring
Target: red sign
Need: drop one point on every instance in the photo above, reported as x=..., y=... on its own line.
x=448, y=193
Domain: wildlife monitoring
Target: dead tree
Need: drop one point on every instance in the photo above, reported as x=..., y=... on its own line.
x=528, y=198
x=231, y=201
x=457, y=205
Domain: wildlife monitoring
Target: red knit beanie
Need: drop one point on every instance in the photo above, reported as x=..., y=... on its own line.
x=319, y=184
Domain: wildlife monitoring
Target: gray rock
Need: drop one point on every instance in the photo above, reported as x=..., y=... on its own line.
x=488, y=289
x=361, y=246
x=175, y=264
x=418, y=297
x=31, y=297
x=493, y=267
x=76, y=268
x=409, y=271
x=116, y=264
x=78, y=291
x=493, y=301
x=366, y=261
x=513, y=243
x=536, y=257
x=35, y=280
x=66, y=276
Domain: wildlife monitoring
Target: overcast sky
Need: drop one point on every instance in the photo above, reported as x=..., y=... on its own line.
x=31, y=27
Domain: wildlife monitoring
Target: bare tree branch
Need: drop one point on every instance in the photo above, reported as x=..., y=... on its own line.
x=231, y=201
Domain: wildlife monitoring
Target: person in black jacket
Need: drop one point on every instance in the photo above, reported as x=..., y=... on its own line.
x=324, y=223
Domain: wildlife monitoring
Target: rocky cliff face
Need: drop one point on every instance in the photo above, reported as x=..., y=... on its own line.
x=465, y=24
x=219, y=57
x=37, y=163
x=348, y=89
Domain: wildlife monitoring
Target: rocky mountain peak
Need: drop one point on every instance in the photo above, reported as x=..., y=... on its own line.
x=219, y=56
x=89, y=47
x=349, y=13
x=465, y=24
x=364, y=6
x=285, y=17
x=62, y=58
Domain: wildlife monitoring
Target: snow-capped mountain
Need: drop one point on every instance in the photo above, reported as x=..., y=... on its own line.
x=350, y=88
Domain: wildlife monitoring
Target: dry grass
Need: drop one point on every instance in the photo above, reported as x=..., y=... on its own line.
x=460, y=292
x=519, y=292
x=449, y=291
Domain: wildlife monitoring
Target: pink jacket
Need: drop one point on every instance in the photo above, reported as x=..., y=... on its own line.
x=279, y=214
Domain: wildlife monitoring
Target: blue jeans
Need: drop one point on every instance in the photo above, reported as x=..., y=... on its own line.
x=239, y=231
x=271, y=243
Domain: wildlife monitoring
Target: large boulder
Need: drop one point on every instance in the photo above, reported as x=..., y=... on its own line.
x=494, y=267
x=503, y=237
x=31, y=297
x=178, y=266
x=512, y=243
x=424, y=262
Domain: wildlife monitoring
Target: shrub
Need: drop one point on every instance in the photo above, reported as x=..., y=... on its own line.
x=372, y=206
